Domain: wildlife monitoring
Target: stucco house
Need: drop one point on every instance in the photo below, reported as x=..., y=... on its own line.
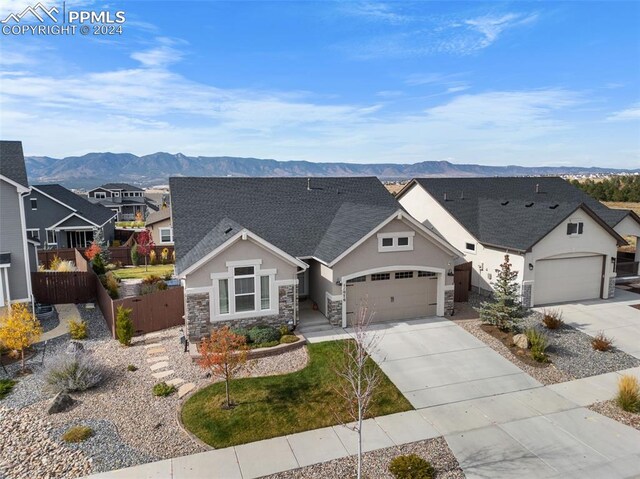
x=17, y=256
x=562, y=242
x=248, y=249
x=159, y=223
x=59, y=218
x=128, y=201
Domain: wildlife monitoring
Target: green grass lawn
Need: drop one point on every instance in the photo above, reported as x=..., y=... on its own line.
x=277, y=405
x=138, y=272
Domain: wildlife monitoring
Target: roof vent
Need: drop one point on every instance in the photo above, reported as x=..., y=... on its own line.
x=554, y=206
x=537, y=188
x=308, y=184
x=462, y=195
x=529, y=205
x=445, y=196
x=505, y=203
x=228, y=230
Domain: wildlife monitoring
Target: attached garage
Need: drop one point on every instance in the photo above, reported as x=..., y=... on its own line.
x=568, y=279
x=394, y=296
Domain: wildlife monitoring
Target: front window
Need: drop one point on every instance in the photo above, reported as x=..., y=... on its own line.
x=100, y=194
x=245, y=290
x=245, y=294
x=52, y=238
x=575, y=228
x=166, y=235
x=34, y=203
x=265, y=293
x=223, y=285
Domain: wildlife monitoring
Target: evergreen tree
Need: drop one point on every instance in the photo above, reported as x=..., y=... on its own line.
x=124, y=325
x=505, y=310
x=98, y=238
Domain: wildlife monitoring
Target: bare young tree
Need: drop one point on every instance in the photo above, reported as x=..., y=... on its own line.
x=358, y=376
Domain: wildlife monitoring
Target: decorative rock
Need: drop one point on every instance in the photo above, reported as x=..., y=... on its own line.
x=61, y=402
x=74, y=347
x=521, y=341
x=185, y=389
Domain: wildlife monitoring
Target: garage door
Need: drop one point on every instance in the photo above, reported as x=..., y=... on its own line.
x=568, y=279
x=394, y=296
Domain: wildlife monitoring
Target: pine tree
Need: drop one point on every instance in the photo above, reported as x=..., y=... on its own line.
x=98, y=238
x=124, y=325
x=505, y=310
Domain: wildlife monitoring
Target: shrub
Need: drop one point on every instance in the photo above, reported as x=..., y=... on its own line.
x=264, y=334
x=132, y=368
x=152, y=288
x=284, y=330
x=73, y=372
x=6, y=385
x=242, y=332
x=110, y=282
x=135, y=257
x=98, y=265
x=124, y=325
x=168, y=276
x=66, y=267
x=269, y=344
x=77, y=434
x=163, y=389
x=110, y=267
x=151, y=279
x=93, y=250
x=55, y=263
x=411, y=466
x=601, y=342
x=289, y=338
x=78, y=329
x=153, y=258
x=552, y=319
x=164, y=255
x=538, y=344
x=628, y=397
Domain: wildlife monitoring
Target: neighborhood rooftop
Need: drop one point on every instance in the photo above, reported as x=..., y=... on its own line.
x=12, y=162
x=120, y=186
x=157, y=216
x=97, y=214
x=514, y=212
x=306, y=217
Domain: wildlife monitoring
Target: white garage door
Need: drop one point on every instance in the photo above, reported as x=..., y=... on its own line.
x=394, y=296
x=568, y=279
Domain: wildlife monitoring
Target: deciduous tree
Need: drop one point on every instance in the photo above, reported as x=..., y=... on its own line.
x=19, y=329
x=145, y=244
x=223, y=353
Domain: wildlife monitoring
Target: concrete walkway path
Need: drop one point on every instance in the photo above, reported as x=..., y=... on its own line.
x=66, y=313
x=614, y=316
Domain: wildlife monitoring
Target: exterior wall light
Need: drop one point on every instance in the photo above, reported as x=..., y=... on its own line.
x=530, y=266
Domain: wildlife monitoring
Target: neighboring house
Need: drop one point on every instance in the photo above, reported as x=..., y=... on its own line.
x=562, y=242
x=17, y=259
x=126, y=200
x=248, y=248
x=59, y=218
x=159, y=223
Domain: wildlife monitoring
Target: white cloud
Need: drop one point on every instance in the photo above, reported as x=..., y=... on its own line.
x=376, y=11
x=491, y=26
x=631, y=113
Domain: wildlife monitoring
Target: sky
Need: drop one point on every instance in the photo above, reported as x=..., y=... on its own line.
x=500, y=83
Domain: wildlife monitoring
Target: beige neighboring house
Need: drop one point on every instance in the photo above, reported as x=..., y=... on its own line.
x=248, y=249
x=562, y=242
x=159, y=223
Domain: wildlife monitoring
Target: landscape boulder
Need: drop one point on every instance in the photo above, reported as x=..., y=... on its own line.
x=60, y=403
x=521, y=341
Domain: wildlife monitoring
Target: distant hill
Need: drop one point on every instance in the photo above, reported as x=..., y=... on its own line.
x=95, y=168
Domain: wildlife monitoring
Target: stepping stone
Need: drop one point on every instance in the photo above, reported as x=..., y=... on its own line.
x=155, y=359
x=90, y=306
x=185, y=389
x=160, y=365
x=156, y=351
x=175, y=381
x=163, y=374
x=153, y=345
x=152, y=335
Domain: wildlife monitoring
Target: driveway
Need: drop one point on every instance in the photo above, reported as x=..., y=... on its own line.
x=614, y=316
x=497, y=420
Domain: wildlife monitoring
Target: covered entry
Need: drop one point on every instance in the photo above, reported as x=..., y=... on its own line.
x=394, y=295
x=568, y=279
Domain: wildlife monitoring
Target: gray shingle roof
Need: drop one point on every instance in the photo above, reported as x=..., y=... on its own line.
x=322, y=221
x=95, y=213
x=120, y=186
x=495, y=210
x=158, y=216
x=12, y=162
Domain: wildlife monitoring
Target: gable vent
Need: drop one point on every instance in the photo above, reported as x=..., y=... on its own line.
x=554, y=206
x=529, y=205
x=505, y=203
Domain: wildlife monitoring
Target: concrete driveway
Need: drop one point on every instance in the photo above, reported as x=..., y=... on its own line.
x=433, y=362
x=614, y=316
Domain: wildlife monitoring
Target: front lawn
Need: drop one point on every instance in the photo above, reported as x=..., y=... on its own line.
x=138, y=272
x=277, y=405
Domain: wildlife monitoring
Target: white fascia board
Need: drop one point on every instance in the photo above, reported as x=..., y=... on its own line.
x=21, y=189
x=55, y=226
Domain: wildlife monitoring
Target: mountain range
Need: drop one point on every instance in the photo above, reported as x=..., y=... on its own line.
x=93, y=169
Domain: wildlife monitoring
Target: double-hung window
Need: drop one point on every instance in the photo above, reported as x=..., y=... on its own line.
x=247, y=289
x=166, y=235
x=575, y=228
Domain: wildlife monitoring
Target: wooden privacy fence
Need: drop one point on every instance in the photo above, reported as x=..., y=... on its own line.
x=120, y=254
x=56, y=288
x=155, y=311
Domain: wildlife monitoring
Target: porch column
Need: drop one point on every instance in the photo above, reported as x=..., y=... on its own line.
x=637, y=256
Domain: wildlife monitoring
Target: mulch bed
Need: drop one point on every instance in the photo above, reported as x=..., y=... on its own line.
x=506, y=338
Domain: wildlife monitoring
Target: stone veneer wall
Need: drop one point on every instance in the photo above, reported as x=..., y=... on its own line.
x=612, y=286
x=197, y=316
x=448, y=302
x=527, y=288
x=334, y=312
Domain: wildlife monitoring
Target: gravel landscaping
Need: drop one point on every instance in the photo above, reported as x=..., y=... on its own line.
x=132, y=426
x=615, y=412
x=376, y=463
x=570, y=351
